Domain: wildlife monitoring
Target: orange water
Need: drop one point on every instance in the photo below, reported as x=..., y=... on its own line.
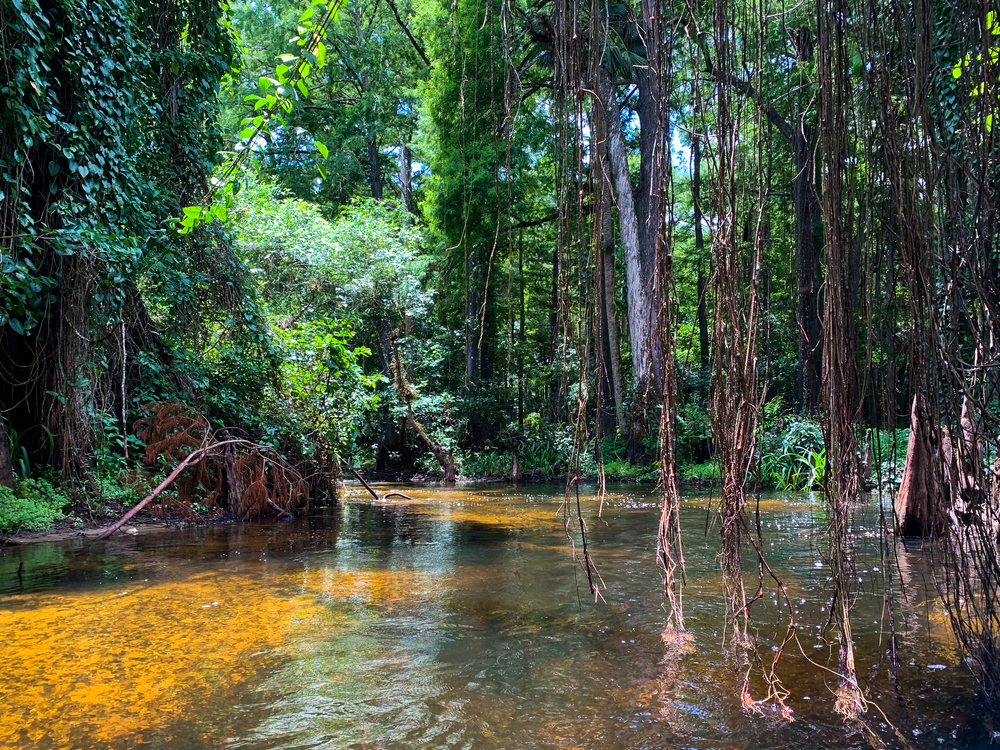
x=457, y=619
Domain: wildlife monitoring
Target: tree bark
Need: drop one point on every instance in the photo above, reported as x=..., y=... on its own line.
x=699, y=245
x=375, y=169
x=555, y=321
x=920, y=504
x=6, y=465
x=807, y=272
x=639, y=302
x=471, y=317
x=648, y=208
x=614, y=362
x=612, y=384
x=522, y=337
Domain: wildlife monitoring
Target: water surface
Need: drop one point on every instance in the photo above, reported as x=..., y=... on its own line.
x=459, y=619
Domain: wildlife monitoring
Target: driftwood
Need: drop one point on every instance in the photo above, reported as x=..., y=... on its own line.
x=246, y=484
x=445, y=458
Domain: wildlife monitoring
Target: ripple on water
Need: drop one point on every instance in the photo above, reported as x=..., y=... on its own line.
x=457, y=619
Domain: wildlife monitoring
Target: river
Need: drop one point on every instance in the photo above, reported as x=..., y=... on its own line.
x=456, y=620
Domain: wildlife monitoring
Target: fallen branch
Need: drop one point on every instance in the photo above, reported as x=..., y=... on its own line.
x=188, y=460
x=368, y=486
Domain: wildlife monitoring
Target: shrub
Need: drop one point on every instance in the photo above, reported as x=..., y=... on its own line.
x=792, y=457
x=703, y=473
x=32, y=505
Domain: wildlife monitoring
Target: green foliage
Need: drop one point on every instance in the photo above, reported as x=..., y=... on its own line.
x=32, y=505
x=708, y=472
x=792, y=456
x=330, y=292
x=325, y=391
x=267, y=117
x=625, y=470
x=19, y=454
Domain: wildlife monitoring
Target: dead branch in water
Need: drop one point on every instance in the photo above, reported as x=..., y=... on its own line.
x=368, y=487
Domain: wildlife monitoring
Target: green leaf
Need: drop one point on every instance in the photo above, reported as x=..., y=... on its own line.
x=307, y=14
x=264, y=83
x=322, y=149
x=320, y=55
x=956, y=72
x=303, y=89
x=247, y=133
x=15, y=324
x=193, y=212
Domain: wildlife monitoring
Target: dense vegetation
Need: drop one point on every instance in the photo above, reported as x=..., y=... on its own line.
x=730, y=242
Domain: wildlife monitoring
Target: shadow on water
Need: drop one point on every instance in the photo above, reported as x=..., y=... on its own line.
x=457, y=619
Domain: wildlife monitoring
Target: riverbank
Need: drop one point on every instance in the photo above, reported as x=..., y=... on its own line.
x=77, y=525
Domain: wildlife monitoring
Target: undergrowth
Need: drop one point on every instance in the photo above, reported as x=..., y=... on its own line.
x=31, y=505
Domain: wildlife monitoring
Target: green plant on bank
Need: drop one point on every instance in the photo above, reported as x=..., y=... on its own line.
x=31, y=505
x=20, y=457
x=488, y=462
x=703, y=473
x=792, y=457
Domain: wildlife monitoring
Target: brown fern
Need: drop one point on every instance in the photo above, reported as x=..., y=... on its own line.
x=228, y=475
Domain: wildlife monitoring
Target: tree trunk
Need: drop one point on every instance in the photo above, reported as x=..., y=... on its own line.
x=613, y=387
x=555, y=320
x=522, y=339
x=471, y=317
x=807, y=218
x=921, y=507
x=648, y=202
x=699, y=245
x=487, y=336
x=807, y=273
x=6, y=465
x=639, y=302
x=375, y=169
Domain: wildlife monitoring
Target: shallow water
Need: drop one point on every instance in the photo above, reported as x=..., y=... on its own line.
x=457, y=620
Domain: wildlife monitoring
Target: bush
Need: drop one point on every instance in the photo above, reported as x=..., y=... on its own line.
x=792, y=457
x=32, y=505
x=703, y=473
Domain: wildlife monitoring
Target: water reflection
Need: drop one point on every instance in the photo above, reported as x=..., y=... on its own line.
x=458, y=619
